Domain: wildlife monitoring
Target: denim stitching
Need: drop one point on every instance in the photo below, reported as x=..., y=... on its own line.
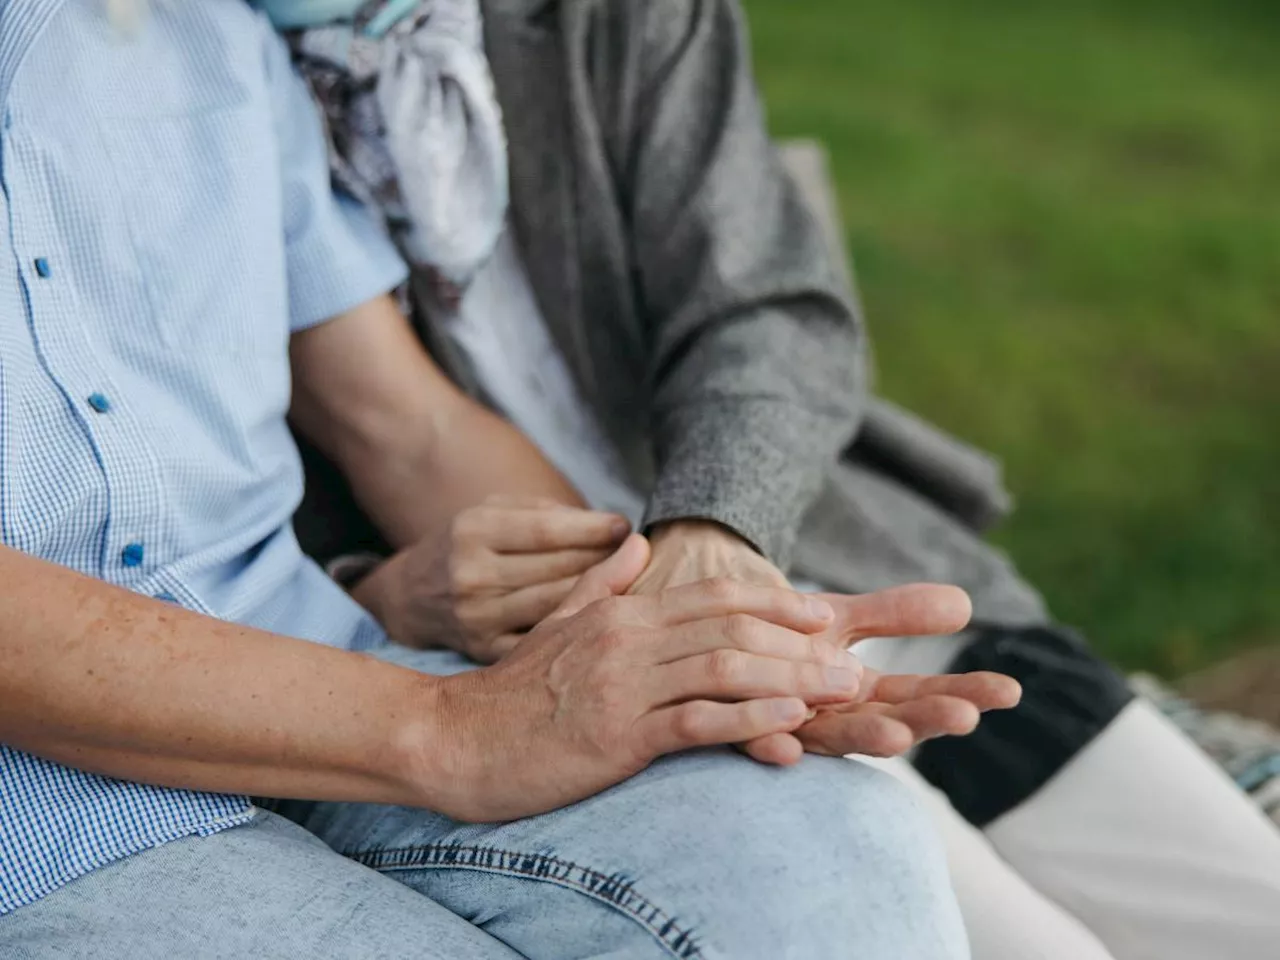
x=614, y=889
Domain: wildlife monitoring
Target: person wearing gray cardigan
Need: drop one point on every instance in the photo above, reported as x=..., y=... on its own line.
x=684, y=295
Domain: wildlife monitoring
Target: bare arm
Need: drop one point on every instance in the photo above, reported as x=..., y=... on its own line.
x=425, y=462
x=107, y=681
x=415, y=449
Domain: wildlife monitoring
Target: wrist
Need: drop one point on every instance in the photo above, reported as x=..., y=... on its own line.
x=421, y=767
x=445, y=768
x=381, y=592
x=709, y=531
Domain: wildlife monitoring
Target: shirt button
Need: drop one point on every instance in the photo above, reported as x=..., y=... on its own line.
x=131, y=555
x=166, y=596
x=43, y=269
x=99, y=402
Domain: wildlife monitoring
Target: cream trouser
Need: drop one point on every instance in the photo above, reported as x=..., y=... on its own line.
x=1140, y=848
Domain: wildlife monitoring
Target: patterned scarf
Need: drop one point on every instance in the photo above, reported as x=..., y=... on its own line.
x=414, y=127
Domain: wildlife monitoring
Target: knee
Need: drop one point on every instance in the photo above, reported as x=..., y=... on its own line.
x=710, y=855
x=828, y=820
x=828, y=858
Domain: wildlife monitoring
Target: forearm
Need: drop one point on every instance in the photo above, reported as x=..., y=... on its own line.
x=752, y=461
x=757, y=354
x=412, y=490
x=415, y=449
x=104, y=680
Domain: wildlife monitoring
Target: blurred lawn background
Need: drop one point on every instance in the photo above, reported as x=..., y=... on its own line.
x=1065, y=220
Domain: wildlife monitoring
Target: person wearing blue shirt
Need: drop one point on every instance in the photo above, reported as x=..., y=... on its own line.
x=177, y=278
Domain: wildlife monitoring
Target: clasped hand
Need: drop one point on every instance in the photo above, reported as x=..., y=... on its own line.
x=606, y=682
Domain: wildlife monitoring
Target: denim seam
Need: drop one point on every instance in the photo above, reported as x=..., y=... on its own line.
x=614, y=890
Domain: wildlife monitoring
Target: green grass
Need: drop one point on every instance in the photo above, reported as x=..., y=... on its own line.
x=1065, y=219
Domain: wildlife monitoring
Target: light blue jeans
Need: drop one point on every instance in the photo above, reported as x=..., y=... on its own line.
x=704, y=855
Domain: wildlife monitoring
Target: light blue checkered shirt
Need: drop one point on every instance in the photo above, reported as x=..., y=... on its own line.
x=167, y=221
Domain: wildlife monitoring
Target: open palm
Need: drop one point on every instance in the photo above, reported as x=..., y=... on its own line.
x=893, y=712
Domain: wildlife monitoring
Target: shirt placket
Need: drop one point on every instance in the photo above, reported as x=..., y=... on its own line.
x=81, y=369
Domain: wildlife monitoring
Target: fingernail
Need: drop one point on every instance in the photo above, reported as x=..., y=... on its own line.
x=820, y=609
x=620, y=527
x=789, y=711
x=840, y=678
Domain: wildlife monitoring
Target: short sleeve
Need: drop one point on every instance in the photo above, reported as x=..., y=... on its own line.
x=337, y=254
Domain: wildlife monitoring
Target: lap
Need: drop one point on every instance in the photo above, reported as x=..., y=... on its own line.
x=705, y=854
x=267, y=890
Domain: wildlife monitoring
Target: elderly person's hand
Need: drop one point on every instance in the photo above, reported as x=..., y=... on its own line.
x=503, y=566
x=496, y=572
x=687, y=551
x=890, y=714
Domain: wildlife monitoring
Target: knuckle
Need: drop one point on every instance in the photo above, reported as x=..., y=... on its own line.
x=467, y=525
x=470, y=616
x=723, y=589
x=542, y=527
x=692, y=722
x=465, y=574
x=726, y=666
x=820, y=650
x=742, y=631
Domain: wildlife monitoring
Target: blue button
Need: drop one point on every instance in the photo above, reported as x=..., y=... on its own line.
x=131, y=555
x=43, y=268
x=166, y=596
x=99, y=402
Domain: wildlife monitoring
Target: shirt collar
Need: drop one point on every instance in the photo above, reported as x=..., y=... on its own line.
x=21, y=23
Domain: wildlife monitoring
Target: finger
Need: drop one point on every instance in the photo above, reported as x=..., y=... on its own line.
x=871, y=733
x=722, y=597
x=739, y=631
x=776, y=749
x=610, y=578
x=878, y=729
x=703, y=723
x=727, y=674
x=985, y=690
x=497, y=648
x=921, y=609
x=935, y=716
x=518, y=500
x=520, y=610
x=541, y=530
x=514, y=570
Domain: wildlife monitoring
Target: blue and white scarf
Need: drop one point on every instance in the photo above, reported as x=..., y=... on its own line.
x=414, y=123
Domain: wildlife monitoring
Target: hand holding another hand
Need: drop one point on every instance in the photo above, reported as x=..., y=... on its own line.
x=889, y=714
x=496, y=571
x=609, y=683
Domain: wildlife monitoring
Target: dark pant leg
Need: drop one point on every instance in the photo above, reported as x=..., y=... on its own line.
x=1070, y=695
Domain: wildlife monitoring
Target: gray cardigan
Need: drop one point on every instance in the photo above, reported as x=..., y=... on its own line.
x=702, y=311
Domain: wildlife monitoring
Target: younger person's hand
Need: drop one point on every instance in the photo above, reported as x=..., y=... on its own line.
x=609, y=683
